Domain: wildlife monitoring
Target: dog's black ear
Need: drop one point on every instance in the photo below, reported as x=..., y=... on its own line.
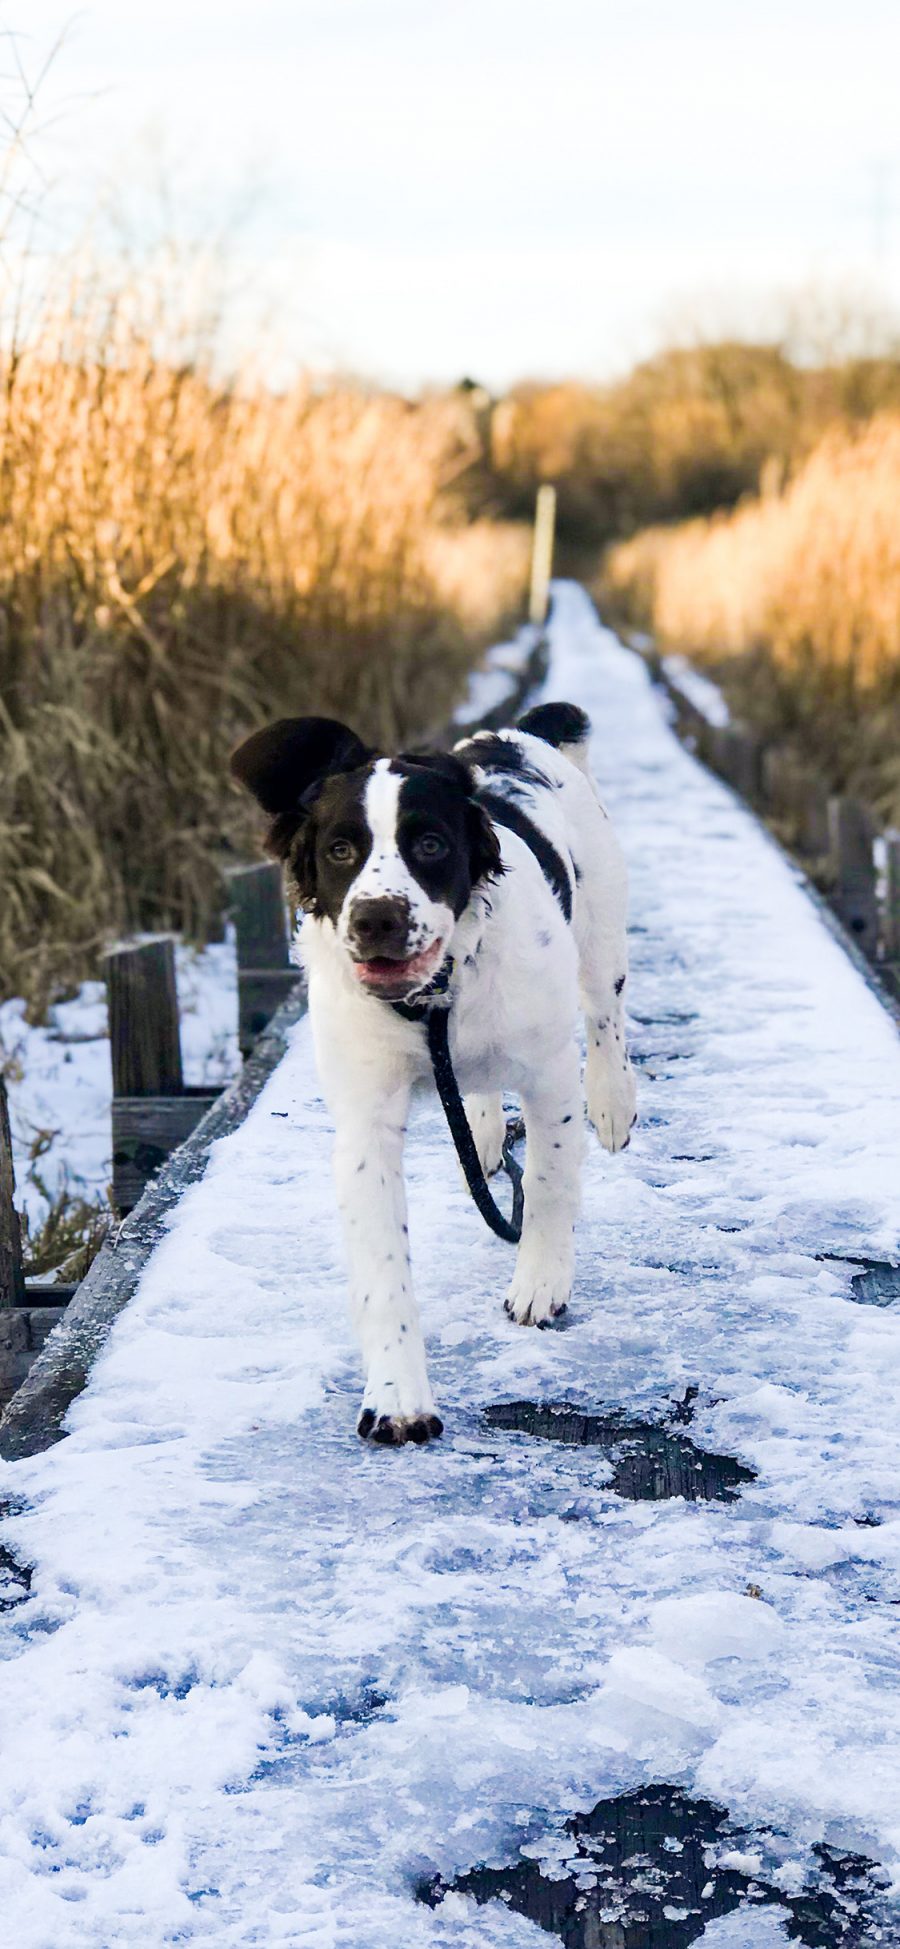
x=485, y=861
x=284, y=761
x=444, y=763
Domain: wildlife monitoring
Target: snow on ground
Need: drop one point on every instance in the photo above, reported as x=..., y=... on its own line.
x=489, y=687
x=268, y=1678
x=699, y=690
x=60, y=1084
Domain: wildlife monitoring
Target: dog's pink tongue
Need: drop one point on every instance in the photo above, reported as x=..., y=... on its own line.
x=381, y=972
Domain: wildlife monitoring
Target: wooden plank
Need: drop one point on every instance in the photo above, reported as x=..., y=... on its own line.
x=879, y=1285
x=261, y=992
x=852, y=865
x=265, y=975
x=737, y=757
x=12, y=1285
x=257, y=904
x=145, y=1131
x=143, y=1018
x=797, y=800
x=16, y=1352
x=890, y=925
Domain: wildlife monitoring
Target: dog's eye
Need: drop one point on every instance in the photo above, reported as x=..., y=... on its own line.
x=430, y=845
x=341, y=851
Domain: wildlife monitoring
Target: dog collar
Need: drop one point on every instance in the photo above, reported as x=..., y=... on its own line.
x=420, y=1009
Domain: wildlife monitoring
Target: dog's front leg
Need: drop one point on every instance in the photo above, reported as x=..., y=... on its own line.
x=368, y=1162
x=553, y=1111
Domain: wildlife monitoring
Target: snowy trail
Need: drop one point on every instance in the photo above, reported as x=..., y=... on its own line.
x=268, y=1679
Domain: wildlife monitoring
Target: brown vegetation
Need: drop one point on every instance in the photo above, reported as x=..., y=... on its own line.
x=178, y=561
x=685, y=433
x=793, y=600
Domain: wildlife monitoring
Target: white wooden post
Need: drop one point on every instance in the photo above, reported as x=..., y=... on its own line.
x=542, y=553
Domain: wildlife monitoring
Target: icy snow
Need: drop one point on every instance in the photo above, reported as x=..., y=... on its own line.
x=497, y=679
x=699, y=690
x=269, y=1678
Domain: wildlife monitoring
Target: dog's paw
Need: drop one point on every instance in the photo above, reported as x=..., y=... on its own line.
x=391, y=1430
x=611, y=1099
x=534, y=1299
x=487, y=1122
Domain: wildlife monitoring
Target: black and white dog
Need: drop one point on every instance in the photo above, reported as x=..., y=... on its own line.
x=489, y=878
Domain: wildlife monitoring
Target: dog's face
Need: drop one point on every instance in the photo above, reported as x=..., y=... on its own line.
x=387, y=849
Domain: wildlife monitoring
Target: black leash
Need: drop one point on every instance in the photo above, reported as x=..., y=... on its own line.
x=430, y=1009
x=438, y=1029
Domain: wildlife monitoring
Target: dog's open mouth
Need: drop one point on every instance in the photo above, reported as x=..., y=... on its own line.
x=393, y=978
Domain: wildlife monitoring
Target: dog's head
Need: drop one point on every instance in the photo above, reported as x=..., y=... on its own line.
x=387, y=849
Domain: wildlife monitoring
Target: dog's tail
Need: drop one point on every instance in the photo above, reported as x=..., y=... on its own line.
x=566, y=727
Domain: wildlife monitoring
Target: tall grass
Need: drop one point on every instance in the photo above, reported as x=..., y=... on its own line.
x=794, y=599
x=180, y=559
x=685, y=433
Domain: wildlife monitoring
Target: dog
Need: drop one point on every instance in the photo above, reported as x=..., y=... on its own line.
x=488, y=881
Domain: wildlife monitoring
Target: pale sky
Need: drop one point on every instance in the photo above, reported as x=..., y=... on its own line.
x=495, y=187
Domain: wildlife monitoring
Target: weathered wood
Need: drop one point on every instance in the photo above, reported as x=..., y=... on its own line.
x=878, y=1285
x=265, y=974
x=257, y=904
x=12, y=1285
x=260, y=992
x=143, y=1018
x=542, y=553
x=737, y=756
x=796, y=799
x=23, y=1332
x=33, y=1420
x=852, y=866
x=890, y=923
x=145, y=1131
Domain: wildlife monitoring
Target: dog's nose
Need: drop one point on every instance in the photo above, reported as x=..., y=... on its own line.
x=380, y=927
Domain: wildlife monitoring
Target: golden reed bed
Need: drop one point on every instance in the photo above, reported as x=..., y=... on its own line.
x=178, y=561
x=794, y=600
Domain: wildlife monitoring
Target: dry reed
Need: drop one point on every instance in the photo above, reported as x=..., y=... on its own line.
x=794, y=600
x=179, y=561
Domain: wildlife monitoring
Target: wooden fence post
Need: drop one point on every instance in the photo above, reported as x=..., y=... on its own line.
x=152, y=1112
x=12, y=1279
x=143, y=1018
x=265, y=971
x=737, y=757
x=797, y=799
x=852, y=863
x=542, y=553
x=891, y=921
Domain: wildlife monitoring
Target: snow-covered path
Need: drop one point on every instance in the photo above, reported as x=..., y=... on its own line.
x=269, y=1679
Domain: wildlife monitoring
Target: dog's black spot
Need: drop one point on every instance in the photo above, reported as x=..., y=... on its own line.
x=490, y=752
x=619, y=985
x=549, y=860
x=567, y=1119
